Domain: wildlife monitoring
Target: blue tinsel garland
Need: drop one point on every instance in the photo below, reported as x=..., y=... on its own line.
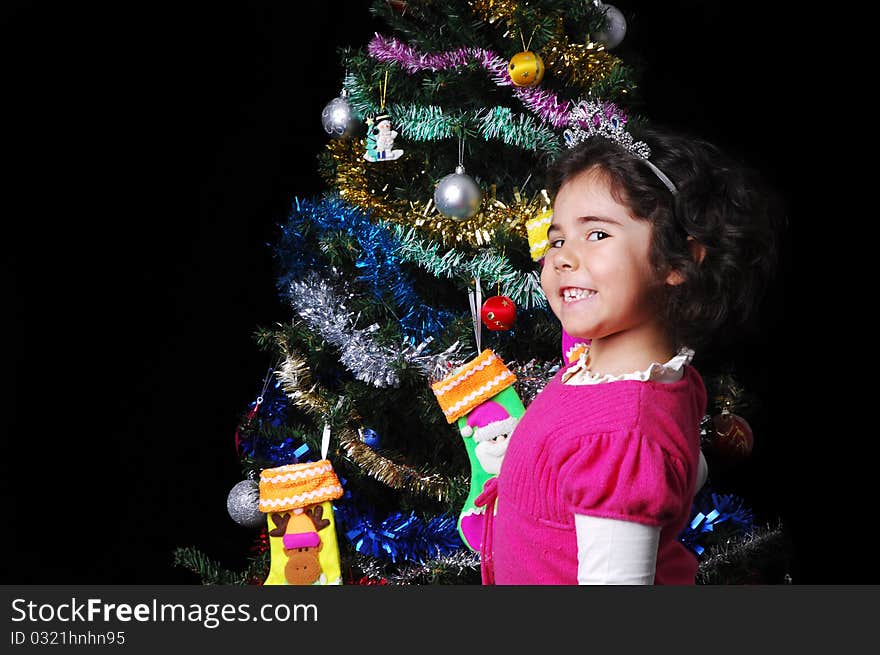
x=709, y=510
x=379, y=267
x=401, y=536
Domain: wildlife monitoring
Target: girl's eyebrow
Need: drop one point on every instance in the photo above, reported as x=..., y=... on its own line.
x=586, y=219
x=598, y=219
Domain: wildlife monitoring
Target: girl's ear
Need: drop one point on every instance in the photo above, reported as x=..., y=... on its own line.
x=698, y=253
x=698, y=250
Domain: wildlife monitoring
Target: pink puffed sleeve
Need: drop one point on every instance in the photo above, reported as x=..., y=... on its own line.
x=624, y=476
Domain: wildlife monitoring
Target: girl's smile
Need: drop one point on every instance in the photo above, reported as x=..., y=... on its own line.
x=574, y=294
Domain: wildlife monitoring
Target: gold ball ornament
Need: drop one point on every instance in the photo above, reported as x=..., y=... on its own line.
x=526, y=68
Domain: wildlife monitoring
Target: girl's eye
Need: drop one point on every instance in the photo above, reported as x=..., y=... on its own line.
x=597, y=235
x=557, y=243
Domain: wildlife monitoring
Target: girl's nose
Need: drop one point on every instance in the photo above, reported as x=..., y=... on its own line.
x=564, y=259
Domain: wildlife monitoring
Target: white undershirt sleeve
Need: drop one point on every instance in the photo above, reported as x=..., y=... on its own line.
x=702, y=472
x=615, y=552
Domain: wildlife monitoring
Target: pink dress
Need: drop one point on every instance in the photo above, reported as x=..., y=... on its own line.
x=626, y=450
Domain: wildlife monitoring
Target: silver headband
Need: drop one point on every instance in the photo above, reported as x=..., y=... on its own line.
x=591, y=118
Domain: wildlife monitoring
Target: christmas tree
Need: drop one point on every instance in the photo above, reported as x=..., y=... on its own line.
x=419, y=258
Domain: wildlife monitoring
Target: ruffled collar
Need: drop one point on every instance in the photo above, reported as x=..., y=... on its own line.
x=671, y=371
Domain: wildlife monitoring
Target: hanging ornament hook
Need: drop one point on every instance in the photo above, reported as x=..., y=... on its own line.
x=325, y=441
x=460, y=151
x=528, y=45
x=265, y=384
x=384, y=92
x=475, y=297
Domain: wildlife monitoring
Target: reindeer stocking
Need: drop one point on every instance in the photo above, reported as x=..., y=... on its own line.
x=302, y=531
x=480, y=397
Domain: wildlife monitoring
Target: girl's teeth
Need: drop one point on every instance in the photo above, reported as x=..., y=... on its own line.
x=570, y=295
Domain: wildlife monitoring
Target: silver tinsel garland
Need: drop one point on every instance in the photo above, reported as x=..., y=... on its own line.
x=323, y=309
x=434, y=366
x=718, y=561
x=531, y=377
x=420, y=573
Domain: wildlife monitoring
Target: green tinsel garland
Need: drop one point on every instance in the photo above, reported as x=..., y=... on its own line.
x=523, y=287
x=430, y=123
x=519, y=130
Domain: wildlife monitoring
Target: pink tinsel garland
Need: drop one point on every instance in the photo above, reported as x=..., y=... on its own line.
x=545, y=104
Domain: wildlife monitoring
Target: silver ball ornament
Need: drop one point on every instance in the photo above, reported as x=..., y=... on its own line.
x=457, y=195
x=337, y=118
x=243, y=504
x=615, y=28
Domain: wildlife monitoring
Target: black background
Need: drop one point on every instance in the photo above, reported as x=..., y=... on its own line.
x=133, y=307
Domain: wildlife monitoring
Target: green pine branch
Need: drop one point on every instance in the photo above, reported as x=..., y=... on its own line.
x=209, y=570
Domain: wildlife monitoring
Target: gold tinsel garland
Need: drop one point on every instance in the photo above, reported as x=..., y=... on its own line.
x=396, y=476
x=296, y=381
x=369, y=188
x=581, y=64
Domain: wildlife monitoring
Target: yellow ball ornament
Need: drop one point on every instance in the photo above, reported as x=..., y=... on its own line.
x=526, y=68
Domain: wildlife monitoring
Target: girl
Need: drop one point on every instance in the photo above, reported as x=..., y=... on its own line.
x=654, y=245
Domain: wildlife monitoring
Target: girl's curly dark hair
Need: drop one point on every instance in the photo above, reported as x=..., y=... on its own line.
x=720, y=204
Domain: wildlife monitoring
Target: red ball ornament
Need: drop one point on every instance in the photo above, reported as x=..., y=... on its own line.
x=733, y=435
x=498, y=313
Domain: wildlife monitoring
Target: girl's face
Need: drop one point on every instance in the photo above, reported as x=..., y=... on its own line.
x=597, y=274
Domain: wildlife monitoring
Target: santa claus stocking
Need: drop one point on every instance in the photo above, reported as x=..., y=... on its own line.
x=480, y=398
x=302, y=530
